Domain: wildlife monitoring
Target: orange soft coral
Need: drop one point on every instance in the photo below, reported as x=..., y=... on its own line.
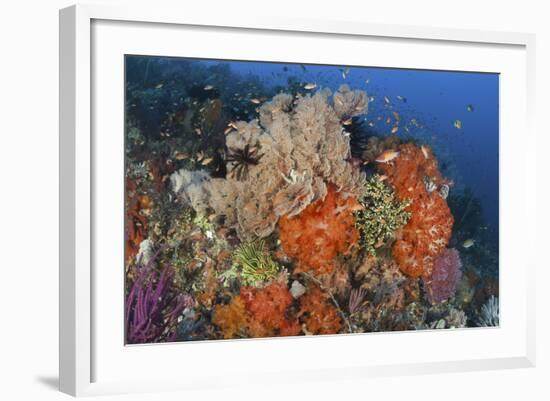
x=267, y=307
x=232, y=319
x=428, y=231
x=321, y=231
x=318, y=314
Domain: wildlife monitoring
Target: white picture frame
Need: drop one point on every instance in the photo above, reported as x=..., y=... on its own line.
x=80, y=155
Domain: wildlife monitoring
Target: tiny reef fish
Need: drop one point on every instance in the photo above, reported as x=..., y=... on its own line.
x=468, y=243
x=208, y=87
x=255, y=101
x=457, y=124
x=470, y=108
x=387, y=156
x=394, y=129
x=424, y=150
x=311, y=85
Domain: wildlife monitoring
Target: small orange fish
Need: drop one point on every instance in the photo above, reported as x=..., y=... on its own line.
x=387, y=156
x=394, y=129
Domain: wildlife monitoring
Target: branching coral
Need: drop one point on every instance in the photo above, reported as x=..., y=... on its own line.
x=428, y=230
x=322, y=231
x=293, y=151
x=318, y=314
x=381, y=215
x=446, y=273
x=152, y=310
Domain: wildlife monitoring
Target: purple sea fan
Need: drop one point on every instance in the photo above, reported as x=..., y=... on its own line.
x=445, y=276
x=152, y=311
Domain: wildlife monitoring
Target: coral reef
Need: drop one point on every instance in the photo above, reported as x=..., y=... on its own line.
x=381, y=215
x=429, y=228
x=445, y=276
x=257, y=210
x=325, y=229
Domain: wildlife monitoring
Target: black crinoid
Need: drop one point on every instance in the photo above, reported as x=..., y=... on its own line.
x=359, y=135
x=241, y=159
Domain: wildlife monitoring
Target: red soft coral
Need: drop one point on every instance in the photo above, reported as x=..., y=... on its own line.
x=318, y=314
x=320, y=232
x=267, y=307
x=136, y=223
x=428, y=231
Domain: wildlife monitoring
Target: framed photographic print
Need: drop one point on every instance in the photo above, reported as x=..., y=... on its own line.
x=319, y=199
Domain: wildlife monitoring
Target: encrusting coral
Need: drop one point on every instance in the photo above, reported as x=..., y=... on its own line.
x=295, y=150
x=380, y=216
x=429, y=228
x=325, y=229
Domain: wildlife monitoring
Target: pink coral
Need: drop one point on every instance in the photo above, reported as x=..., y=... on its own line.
x=446, y=273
